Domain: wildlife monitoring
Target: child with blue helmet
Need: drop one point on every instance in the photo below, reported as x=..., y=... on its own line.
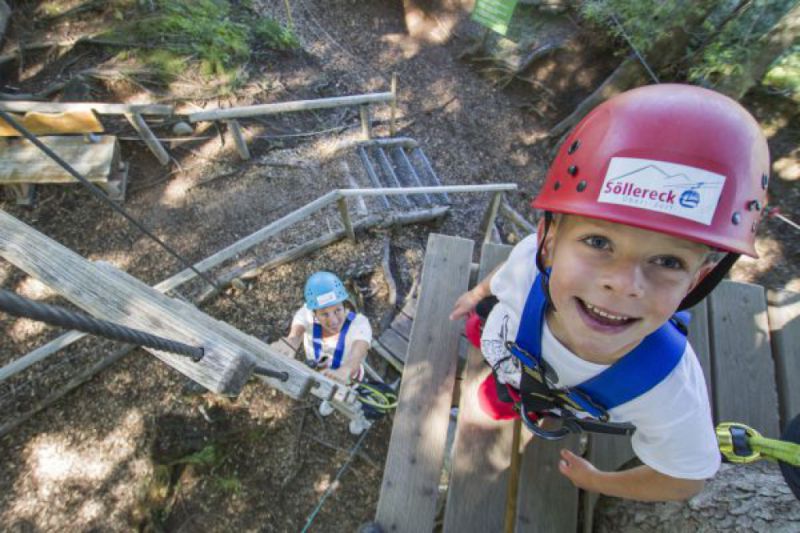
x=335, y=338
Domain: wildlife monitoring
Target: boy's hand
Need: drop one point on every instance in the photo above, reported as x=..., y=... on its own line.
x=342, y=374
x=577, y=469
x=465, y=303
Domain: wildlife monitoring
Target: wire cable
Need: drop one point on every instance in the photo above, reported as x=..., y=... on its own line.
x=98, y=193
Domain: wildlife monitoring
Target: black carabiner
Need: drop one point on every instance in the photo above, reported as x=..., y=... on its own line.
x=568, y=426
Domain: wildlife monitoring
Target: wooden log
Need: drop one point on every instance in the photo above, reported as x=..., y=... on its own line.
x=23, y=162
x=289, y=107
x=366, y=124
x=393, y=106
x=83, y=121
x=441, y=189
x=102, y=108
x=341, y=203
x=744, y=372
x=784, y=327
x=416, y=450
x=113, y=295
x=515, y=217
x=148, y=137
x=238, y=139
x=491, y=215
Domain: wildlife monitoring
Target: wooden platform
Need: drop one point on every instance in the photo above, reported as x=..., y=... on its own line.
x=746, y=339
x=23, y=165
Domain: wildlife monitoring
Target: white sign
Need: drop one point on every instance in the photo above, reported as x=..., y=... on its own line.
x=678, y=190
x=326, y=298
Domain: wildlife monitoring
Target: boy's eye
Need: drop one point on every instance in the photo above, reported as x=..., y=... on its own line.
x=670, y=262
x=596, y=241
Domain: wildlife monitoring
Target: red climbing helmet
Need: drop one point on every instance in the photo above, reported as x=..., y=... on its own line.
x=676, y=159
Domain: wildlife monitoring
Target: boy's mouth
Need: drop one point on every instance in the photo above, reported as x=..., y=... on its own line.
x=604, y=317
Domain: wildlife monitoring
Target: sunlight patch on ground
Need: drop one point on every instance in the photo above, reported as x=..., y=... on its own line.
x=788, y=168
x=408, y=47
x=24, y=328
x=34, y=289
x=770, y=256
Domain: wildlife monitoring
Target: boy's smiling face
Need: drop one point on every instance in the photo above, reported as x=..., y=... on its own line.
x=612, y=285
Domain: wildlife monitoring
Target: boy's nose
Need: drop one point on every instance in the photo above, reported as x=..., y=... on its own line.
x=624, y=278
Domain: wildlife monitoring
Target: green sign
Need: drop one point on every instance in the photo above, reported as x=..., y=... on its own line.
x=494, y=14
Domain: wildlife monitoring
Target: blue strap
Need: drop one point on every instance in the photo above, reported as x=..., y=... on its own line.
x=338, y=353
x=635, y=373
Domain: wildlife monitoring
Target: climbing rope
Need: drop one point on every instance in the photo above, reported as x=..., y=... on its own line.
x=98, y=193
x=774, y=212
x=335, y=483
x=57, y=316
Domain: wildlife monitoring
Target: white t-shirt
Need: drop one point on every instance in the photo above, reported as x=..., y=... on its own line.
x=359, y=330
x=674, y=430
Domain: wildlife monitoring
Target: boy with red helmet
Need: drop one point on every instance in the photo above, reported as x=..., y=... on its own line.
x=649, y=202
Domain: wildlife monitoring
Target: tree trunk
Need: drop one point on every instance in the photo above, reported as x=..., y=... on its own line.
x=5, y=12
x=740, y=498
x=668, y=49
x=782, y=36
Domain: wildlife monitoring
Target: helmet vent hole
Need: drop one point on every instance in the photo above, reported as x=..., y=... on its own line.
x=573, y=147
x=764, y=181
x=581, y=186
x=556, y=185
x=572, y=170
x=736, y=218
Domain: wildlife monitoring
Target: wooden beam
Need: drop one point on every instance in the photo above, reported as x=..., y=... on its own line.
x=348, y=225
x=23, y=162
x=148, y=137
x=84, y=121
x=289, y=107
x=784, y=326
x=514, y=216
x=744, y=372
x=238, y=139
x=487, y=187
x=102, y=108
x=491, y=215
x=366, y=124
x=416, y=451
x=110, y=294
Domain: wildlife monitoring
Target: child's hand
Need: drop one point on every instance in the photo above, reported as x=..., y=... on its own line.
x=342, y=374
x=465, y=303
x=577, y=469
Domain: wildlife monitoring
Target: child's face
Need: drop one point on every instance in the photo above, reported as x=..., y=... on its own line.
x=331, y=318
x=612, y=285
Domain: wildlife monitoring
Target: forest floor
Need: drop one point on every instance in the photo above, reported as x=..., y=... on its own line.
x=135, y=448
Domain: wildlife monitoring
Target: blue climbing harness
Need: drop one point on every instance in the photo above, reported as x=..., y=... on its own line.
x=635, y=373
x=338, y=353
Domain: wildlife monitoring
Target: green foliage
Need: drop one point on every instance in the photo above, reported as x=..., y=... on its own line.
x=729, y=48
x=784, y=75
x=218, y=36
x=209, y=456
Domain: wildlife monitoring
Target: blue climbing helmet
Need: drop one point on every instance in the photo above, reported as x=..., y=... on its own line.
x=324, y=289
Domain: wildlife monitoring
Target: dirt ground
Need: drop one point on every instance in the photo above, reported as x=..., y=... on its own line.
x=136, y=448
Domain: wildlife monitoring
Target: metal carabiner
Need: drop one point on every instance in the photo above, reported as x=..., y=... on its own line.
x=568, y=426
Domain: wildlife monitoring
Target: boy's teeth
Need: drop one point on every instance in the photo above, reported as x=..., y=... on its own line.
x=602, y=313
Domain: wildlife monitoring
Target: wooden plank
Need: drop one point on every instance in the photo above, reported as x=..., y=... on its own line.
x=394, y=343
x=416, y=451
x=22, y=162
x=476, y=495
x=744, y=373
x=784, y=327
x=238, y=139
x=547, y=501
x=700, y=340
x=388, y=356
x=289, y=107
x=149, y=138
x=99, y=107
x=83, y=121
x=113, y=295
x=401, y=325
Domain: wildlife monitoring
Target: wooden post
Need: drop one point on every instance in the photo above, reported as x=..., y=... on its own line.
x=491, y=215
x=238, y=139
x=393, y=106
x=510, y=520
x=366, y=127
x=348, y=226
x=149, y=138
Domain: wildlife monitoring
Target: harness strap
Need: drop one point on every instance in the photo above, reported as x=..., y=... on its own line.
x=631, y=376
x=338, y=353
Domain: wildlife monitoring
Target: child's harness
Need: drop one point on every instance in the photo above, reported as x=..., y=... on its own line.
x=338, y=353
x=635, y=373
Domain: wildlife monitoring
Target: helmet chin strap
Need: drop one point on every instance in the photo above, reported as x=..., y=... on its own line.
x=710, y=281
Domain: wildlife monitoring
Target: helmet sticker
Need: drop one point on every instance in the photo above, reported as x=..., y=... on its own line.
x=678, y=190
x=326, y=298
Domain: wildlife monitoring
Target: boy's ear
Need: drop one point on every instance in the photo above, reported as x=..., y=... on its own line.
x=702, y=272
x=546, y=241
